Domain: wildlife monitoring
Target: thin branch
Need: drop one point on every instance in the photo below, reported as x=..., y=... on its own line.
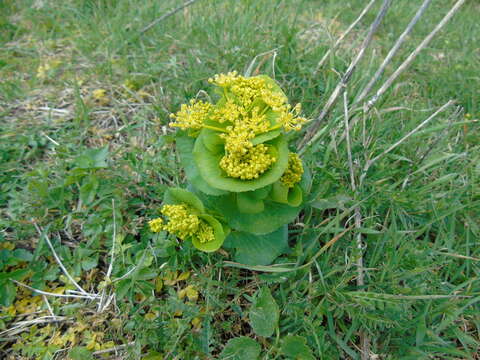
x=340, y=39
x=425, y=122
x=57, y=258
x=413, y=55
x=393, y=51
x=311, y=135
x=167, y=15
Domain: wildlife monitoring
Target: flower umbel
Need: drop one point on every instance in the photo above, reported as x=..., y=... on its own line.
x=156, y=225
x=249, y=163
x=183, y=223
x=191, y=116
x=294, y=171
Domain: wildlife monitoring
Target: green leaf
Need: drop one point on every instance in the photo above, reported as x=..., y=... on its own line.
x=241, y=348
x=295, y=196
x=209, y=168
x=218, y=232
x=259, y=139
x=89, y=263
x=274, y=216
x=294, y=347
x=279, y=193
x=248, y=204
x=8, y=293
x=212, y=141
x=264, y=313
x=185, y=147
x=182, y=196
x=80, y=353
x=259, y=250
x=88, y=190
x=92, y=158
x=122, y=288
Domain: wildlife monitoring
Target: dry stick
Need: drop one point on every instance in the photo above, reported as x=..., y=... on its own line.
x=60, y=263
x=413, y=55
x=340, y=39
x=311, y=137
x=364, y=339
x=431, y=117
x=393, y=51
x=163, y=17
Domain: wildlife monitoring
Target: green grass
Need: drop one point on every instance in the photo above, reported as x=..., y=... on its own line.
x=64, y=156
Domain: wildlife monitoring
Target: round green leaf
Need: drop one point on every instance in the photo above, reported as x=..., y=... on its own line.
x=249, y=204
x=210, y=171
x=181, y=196
x=279, y=193
x=258, y=250
x=274, y=216
x=218, y=232
x=264, y=313
x=295, y=196
x=185, y=147
x=241, y=348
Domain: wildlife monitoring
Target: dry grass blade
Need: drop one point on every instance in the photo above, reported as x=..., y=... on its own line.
x=425, y=122
x=413, y=55
x=59, y=262
x=340, y=39
x=167, y=15
x=393, y=51
x=311, y=136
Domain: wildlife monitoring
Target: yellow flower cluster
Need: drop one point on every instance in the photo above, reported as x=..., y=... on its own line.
x=294, y=171
x=191, y=116
x=156, y=225
x=249, y=164
x=205, y=232
x=183, y=224
x=244, y=107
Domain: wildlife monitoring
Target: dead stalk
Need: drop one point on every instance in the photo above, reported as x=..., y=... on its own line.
x=311, y=136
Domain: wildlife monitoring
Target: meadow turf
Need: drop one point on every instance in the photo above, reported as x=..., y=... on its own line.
x=86, y=153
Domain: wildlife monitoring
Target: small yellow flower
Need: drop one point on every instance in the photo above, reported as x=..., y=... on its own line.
x=250, y=165
x=183, y=223
x=156, y=225
x=100, y=97
x=294, y=171
x=191, y=116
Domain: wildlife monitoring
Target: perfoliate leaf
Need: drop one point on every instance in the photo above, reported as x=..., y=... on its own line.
x=274, y=215
x=264, y=313
x=208, y=165
x=258, y=250
x=248, y=204
x=181, y=196
x=241, y=348
x=295, y=348
x=218, y=232
x=185, y=147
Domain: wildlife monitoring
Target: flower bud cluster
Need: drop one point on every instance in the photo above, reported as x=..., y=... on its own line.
x=249, y=165
x=294, y=171
x=182, y=223
x=191, y=116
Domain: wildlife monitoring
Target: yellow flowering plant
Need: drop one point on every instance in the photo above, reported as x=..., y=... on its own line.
x=237, y=160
